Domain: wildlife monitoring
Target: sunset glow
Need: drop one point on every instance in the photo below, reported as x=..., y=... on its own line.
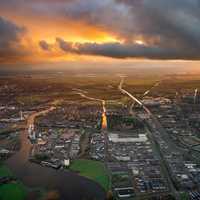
x=61, y=31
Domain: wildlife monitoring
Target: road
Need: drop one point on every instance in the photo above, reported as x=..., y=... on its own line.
x=145, y=93
x=154, y=140
x=148, y=91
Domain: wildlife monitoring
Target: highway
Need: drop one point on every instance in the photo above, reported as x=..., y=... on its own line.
x=154, y=140
x=148, y=91
x=145, y=93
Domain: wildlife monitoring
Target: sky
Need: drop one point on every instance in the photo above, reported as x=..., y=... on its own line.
x=104, y=32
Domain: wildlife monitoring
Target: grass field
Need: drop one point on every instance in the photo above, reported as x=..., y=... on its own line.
x=12, y=190
x=93, y=170
x=4, y=171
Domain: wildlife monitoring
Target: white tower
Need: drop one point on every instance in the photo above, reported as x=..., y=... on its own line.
x=195, y=95
x=21, y=115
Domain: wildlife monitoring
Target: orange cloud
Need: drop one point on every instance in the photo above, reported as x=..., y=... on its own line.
x=45, y=28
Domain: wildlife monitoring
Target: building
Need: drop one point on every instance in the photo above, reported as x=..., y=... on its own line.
x=116, y=138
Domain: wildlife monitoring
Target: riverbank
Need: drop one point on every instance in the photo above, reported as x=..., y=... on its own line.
x=67, y=184
x=93, y=170
x=11, y=189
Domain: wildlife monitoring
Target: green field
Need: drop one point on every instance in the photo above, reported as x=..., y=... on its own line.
x=93, y=170
x=4, y=171
x=13, y=190
x=184, y=196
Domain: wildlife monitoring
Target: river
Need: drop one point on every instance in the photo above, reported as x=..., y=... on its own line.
x=69, y=185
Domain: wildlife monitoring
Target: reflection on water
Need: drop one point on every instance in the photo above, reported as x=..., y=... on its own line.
x=104, y=121
x=104, y=117
x=69, y=185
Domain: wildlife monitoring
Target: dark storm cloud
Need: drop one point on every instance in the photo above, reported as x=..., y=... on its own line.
x=175, y=22
x=10, y=35
x=118, y=50
x=171, y=28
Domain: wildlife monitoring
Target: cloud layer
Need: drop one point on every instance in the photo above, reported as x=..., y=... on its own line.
x=120, y=50
x=10, y=35
x=166, y=29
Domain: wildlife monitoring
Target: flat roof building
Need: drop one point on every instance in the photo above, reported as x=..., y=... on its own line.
x=115, y=138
